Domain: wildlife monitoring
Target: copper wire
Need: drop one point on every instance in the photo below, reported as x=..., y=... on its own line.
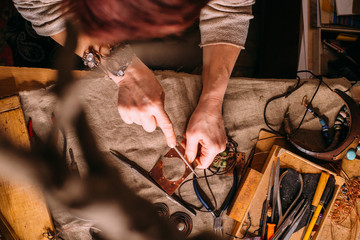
x=346, y=205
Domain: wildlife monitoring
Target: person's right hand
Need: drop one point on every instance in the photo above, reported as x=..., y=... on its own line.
x=141, y=100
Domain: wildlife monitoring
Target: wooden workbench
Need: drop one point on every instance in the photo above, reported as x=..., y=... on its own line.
x=243, y=109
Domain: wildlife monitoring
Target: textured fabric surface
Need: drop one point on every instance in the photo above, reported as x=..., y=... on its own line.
x=226, y=22
x=45, y=15
x=243, y=115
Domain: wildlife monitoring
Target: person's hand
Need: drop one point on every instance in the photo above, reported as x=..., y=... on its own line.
x=206, y=127
x=141, y=100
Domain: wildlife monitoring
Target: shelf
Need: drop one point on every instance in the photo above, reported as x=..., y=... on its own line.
x=320, y=54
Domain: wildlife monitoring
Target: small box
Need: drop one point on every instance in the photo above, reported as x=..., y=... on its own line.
x=258, y=193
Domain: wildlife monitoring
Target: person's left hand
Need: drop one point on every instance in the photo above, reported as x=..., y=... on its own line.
x=206, y=127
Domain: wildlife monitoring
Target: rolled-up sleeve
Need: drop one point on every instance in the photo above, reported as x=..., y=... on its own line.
x=46, y=16
x=225, y=22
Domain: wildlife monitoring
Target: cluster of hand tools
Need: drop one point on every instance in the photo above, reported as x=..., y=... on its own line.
x=278, y=225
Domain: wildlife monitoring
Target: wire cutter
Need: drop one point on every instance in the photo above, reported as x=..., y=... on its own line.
x=217, y=214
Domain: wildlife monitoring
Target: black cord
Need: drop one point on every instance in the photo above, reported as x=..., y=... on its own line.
x=211, y=191
x=288, y=93
x=352, y=85
x=231, y=145
x=306, y=110
x=319, y=77
x=190, y=204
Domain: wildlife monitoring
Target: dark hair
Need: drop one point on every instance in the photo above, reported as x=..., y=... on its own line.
x=113, y=21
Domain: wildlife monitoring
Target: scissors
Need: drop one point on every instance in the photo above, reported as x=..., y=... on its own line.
x=217, y=213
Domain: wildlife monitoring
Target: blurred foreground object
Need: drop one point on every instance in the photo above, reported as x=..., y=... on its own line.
x=21, y=204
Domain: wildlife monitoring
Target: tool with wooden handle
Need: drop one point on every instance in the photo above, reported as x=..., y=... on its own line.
x=325, y=198
x=320, y=189
x=324, y=177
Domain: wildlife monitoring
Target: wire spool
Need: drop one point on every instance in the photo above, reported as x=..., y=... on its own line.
x=183, y=222
x=162, y=209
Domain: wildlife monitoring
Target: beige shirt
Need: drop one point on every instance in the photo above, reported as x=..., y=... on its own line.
x=44, y=15
x=221, y=21
x=225, y=21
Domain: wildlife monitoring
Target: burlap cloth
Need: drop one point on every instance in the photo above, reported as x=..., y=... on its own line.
x=243, y=115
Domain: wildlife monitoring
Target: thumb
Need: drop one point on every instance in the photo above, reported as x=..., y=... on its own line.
x=191, y=148
x=207, y=157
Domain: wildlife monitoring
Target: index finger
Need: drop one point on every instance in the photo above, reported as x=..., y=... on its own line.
x=166, y=126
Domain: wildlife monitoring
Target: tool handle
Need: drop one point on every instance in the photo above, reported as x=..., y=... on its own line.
x=312, y=222
x=196, y=189
x=270, y=230
x=326, y=197
x=320, y=188
x=264, y=218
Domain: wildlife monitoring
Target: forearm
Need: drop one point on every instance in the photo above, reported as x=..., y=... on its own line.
x=218, y=63
x=206, y=124
x=223, y=25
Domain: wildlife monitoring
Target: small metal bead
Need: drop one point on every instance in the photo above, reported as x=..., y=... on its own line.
x=90, y=57
x=91, y=64
x=181, y=226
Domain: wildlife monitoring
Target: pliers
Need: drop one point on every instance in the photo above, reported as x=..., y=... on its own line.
x=217, y=213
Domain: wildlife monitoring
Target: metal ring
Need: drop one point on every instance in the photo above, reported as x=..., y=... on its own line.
x=162, y=209
x=182, y=222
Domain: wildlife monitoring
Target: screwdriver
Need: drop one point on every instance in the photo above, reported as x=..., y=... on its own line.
x=325, y=198
x=318, y=193
x=270, y=230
